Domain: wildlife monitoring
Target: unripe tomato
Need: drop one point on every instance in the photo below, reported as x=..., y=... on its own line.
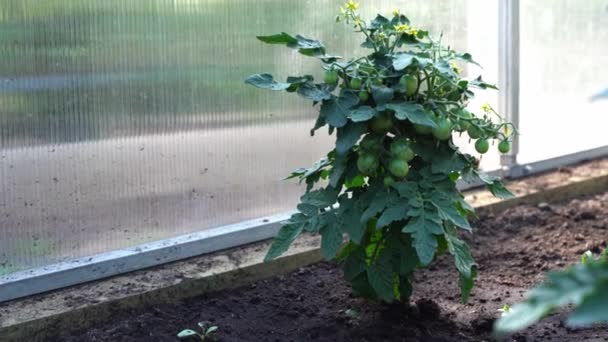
x=371, y=143
x=504, y=146
x=367, y=164
x=377, y=81
x=463, y=124
x=381, y=123
x=409, y=83
x=355, y=83
x=474, y=132
x=388, y=181
x=421, y=129
x=399, y=168
x=400, y=149
x=482, y=146
x=330, y=77
x=363, y=95
x=443, y=130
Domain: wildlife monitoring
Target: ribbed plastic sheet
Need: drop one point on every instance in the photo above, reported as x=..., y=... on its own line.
x=127, y=121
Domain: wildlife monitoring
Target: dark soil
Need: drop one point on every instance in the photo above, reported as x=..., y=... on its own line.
x=513, y=250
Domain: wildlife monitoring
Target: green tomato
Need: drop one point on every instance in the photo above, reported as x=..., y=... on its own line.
x=363, y=96
x=399, y=168
x=474, y=132
x=381, y=123
x=330, y=77
x=367, y=164
x=355, y=83
x=463, y=124
x=504, y=146
x=443, y=130
x=409, y=83
x=482, y=146
x=423, y=130
x=388, y=181
x=377, y=81
x=400, y=149
x=371, y=143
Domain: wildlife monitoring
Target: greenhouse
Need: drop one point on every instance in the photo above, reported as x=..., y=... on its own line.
x=319, y=170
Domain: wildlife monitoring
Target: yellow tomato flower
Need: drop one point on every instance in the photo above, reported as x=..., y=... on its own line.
x=358, y=22
x=486, y=107
x=455, y=67
x=402, y=28
x=351, y=5
x=396, y=12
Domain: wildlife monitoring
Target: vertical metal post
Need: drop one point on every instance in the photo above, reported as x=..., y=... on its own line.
x=508, y=76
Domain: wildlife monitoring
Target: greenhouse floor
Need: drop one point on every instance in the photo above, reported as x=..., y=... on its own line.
x=121, y=304
x=513, y=248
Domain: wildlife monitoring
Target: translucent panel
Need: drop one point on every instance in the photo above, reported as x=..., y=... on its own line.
x=127, y=121
x=564, y=61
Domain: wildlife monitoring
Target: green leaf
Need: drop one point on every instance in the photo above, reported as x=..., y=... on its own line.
x=331, y=239
x=305, y=46
x=187, y=333
x=380, y=200
x=466, y=285
x=280, y=244
x=396, y=213
x=266, y=81
x=498, y=189
x=581, y=285
x=481, y=84
x=340, y=165
x=336, y=110
x=466, y=57
x=349, y=214
x=321, y=198
x=444, y=68
x=363, y=113
x=281, y=38
x=382, y=94
x=412, y=112
x=348, y=136
x=462, y=255
x=402, y=60
x=448, y=211
x=408, y=258
x=424, y=223
x=355, y=264
x=381, y=277
x=406, y=189
x=593, y=309
x=314, y=92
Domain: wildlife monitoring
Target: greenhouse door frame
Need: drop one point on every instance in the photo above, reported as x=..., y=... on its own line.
x=52, y=277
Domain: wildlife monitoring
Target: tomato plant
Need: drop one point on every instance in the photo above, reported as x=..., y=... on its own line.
x=390, y=182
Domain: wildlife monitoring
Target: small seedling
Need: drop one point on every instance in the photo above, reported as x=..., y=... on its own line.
x=586, y=257
x=205, y=335
x=505, y=310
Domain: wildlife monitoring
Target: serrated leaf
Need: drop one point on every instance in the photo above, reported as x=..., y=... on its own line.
x=281, y=38
x=321, y=198
x=444, y=68
x=348, y=136
x=336, y=110
x=379, y=202
x=363, y=113
x=424, y=223
x=382, y=94
x=406, y=189
x=355, y=264
x=448, y=211
x=392, y=214
x=380, y=276
x=350, y=219
x=412, y=112
x=462, y=255
x=340, y=164
x=331, y=238
x=266, y=81
x=498, y=189
x=287, y=234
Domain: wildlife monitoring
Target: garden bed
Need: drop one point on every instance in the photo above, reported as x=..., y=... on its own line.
x=514, y=248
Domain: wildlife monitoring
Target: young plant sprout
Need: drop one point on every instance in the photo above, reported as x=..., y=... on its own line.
x=390, y=181
x=505, y=310
x=205, y=334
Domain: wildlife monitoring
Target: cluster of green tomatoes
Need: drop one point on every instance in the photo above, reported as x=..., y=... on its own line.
x=394, y=151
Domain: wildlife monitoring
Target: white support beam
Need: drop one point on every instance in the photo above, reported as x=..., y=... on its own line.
x=508, y=73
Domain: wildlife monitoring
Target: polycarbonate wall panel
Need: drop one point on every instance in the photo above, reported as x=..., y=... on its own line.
x=564, y=61
x=127, y=121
